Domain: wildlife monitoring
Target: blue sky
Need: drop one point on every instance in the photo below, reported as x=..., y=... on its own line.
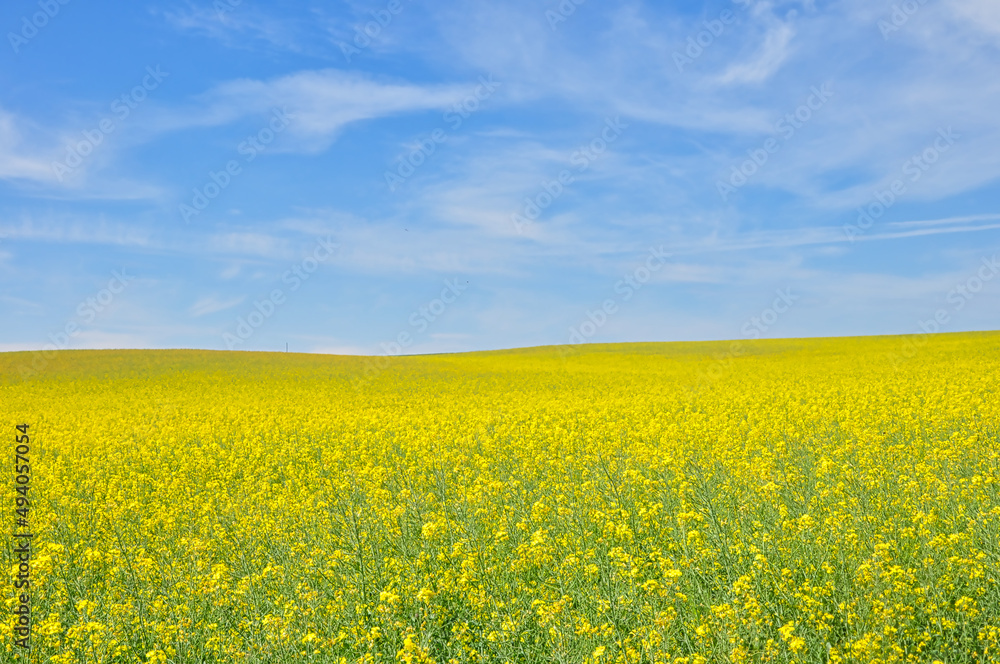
x=394, y=176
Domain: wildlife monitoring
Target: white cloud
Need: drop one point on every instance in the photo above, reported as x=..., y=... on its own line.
x=981, y=14
x=772, y=54
x=29, y=155
x=319, y=104
x=793, y=237
x=70, y=229
x=16, y=161
x=229, y=25
x=261, y=244
x=211, y=304
x=93, y=339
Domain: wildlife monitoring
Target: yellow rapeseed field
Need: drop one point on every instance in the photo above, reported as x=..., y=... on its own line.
x=826, y=500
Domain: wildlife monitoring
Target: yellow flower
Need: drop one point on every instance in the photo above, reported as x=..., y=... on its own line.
x=156, y=657
x=513, y=505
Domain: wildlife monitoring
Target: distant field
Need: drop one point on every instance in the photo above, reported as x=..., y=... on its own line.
x=775, y=501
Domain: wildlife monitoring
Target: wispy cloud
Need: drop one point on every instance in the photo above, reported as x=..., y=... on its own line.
x=761, y=66
x=211, y=304
x=237, y=25
x=17, y=160
x=981, y=14
x=351, y=122
x=65, y=229
x=796, y=237
x=320, y=103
